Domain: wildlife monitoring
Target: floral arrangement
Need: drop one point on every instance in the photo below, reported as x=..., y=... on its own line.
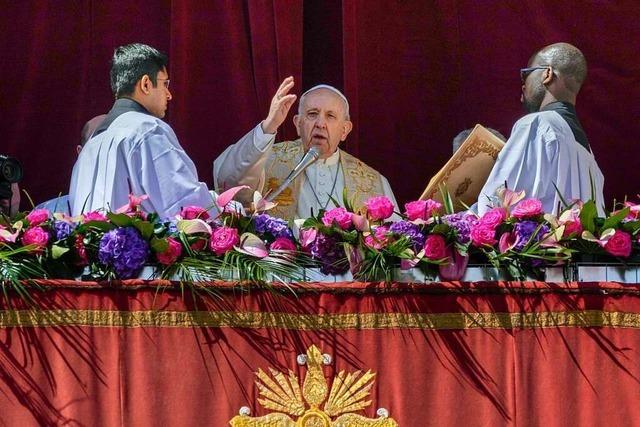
x=371, y=242
x=192, y=246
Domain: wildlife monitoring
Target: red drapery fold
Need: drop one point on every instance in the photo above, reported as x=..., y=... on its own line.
x=443, y=354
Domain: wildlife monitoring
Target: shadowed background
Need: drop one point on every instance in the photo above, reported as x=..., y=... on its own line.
x=415, y=72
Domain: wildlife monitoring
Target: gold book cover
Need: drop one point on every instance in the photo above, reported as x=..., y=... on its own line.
x=467, y=170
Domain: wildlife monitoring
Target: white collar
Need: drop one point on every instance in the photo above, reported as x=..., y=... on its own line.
x=331, y=160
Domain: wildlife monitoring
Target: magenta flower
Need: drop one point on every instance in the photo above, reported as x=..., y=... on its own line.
x=94, y=216
x=483, y=234
x=618, y=245
x=435, y=247
x=527, y=208
x=421, y=209
x=37, y=217
x=283, y=244
x=494, y=217
x=36, y=236
x=338, y=216
x=379, y=208
x=194, y=212
x=171, y=254
x=223, y=239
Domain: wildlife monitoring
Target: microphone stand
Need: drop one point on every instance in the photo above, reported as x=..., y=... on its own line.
x=310, y=157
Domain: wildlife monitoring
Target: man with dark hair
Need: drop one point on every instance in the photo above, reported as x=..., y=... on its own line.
x=548, y=154
x=133, y=150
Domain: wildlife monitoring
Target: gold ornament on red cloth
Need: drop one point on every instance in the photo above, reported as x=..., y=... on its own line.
x=282, y=393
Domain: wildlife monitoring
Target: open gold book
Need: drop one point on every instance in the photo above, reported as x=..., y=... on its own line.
x=467, y=170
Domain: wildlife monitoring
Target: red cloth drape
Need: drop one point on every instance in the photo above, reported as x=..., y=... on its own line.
x=444, y=354
x=416, y=73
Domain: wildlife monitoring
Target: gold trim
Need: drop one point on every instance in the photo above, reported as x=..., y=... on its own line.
x=255, y=320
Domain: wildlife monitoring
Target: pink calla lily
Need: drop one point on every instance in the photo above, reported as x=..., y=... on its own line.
x=134, y=202
x=360, y=222
x=225, y=197
x=260, y=204
x=509, y=197
x=252, y=245
x=507, y=242
x=7, y=236
x=193, y=226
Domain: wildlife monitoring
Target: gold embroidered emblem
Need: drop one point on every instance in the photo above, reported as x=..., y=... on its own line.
x=285, y=198
x=280, y=392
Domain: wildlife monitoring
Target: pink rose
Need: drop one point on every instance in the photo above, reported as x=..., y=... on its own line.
x=527, y=208
x=421, y=209
x=171, y=254
x=194, y=212
x=572, y=228
x=223, y=239
x=379, y=239
x=379, y=208
x=494, y=217
x=435, y=247
x=483, y=234
x=35, y=236
x=37, y=217
x=94, y=216
x=338, y=216
x=283, y=244
x=618, y=245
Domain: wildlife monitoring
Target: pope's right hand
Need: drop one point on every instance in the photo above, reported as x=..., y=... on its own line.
x=280, y=106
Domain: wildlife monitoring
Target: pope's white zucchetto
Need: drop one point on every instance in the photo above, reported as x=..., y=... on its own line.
x=332, y=89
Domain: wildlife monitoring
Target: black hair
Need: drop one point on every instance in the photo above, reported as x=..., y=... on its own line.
x=130, y=63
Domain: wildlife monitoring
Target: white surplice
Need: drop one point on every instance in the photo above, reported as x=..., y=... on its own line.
x=142, y=151
x=542, y=151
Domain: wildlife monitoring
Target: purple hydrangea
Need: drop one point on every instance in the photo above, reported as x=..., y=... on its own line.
x=331, y=255
x=125, y=250
x=277, y=227
x=461, y=222
x=62, y=229
x=411, y=230
x=524, y=230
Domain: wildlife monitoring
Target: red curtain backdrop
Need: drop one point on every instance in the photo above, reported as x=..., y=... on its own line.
x=416, y=73
x=445, y=354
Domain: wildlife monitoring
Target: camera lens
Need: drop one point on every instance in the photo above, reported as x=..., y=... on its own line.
x=10, y=169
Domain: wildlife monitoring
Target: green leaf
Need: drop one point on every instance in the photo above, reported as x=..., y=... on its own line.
x=588, y=215
x=614, y=220
x=121, y=220
x=145, y=228
x=159, y=245
x=631, y=226
x=98, y=225
x=58, y=251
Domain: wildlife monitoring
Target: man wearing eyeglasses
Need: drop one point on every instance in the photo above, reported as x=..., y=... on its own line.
x=133, y=150
x=548, y=154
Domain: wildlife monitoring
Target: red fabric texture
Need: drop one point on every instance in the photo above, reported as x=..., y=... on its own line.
x=416, y=73
x=179, y=375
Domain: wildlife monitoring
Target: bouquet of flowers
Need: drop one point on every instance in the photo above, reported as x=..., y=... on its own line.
x=117, y=245
x=518, y=236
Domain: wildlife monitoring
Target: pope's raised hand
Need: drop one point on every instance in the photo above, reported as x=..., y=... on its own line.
x=280, y=106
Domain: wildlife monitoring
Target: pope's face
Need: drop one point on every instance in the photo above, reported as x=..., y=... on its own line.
x=322, y=121
x=159, y=95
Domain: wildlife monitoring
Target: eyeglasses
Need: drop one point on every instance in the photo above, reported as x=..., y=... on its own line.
x=165, y=82
x=524, y=72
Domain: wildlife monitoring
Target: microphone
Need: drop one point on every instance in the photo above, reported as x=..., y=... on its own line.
x=309, y=157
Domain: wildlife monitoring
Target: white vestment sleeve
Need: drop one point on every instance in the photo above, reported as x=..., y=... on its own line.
x=167, y=175
x=528, y=161
x=244, y=162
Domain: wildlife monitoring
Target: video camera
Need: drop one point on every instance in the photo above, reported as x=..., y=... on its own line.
x=10, y=172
